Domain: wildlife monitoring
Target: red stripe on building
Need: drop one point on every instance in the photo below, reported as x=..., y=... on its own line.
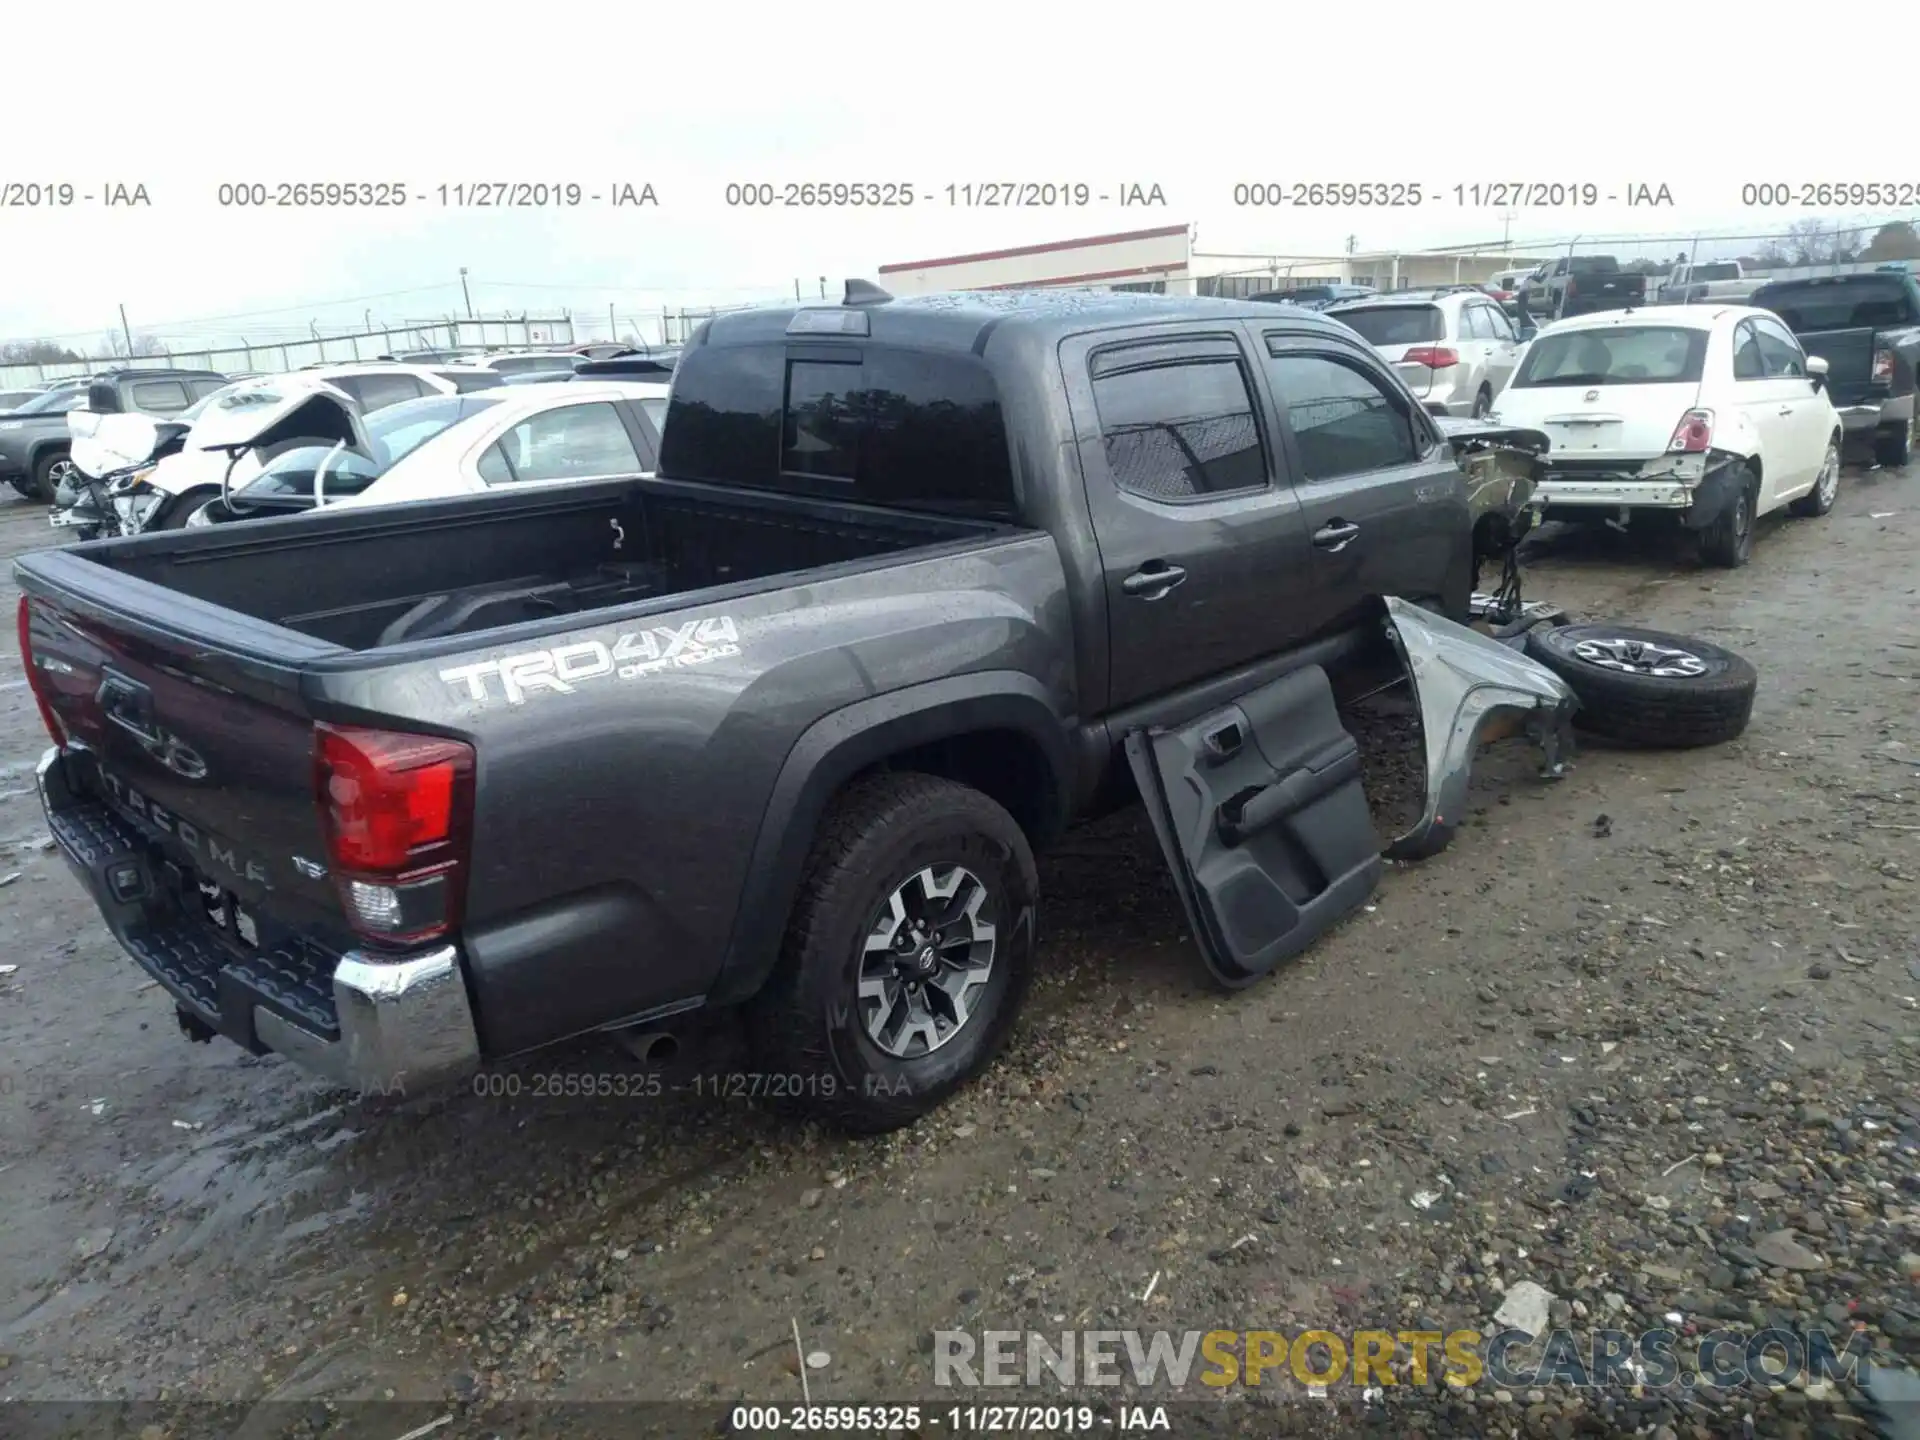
x=1131, y=273
x=1051, y=247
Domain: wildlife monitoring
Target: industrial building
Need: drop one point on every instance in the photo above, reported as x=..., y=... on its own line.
x=1163, y=260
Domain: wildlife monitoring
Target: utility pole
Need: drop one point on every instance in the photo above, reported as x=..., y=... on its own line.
x=796, y=287
x=613, y=326
x=823, y=287
x=126, y=329
x=464, y=292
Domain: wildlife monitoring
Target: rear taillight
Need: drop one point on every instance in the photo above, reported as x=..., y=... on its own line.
x=35, y=680
x=397, y=811
x=1883, y=367
x=1693, y=435
x=1434, y=357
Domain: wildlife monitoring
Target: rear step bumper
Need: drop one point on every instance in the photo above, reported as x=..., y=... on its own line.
x=379, y=1025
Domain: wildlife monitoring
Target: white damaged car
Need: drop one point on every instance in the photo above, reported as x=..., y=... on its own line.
x=1710, y=413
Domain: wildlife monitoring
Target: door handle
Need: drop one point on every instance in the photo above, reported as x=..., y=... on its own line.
x=1786, y=409
x=1335, y=535
x=1153, y=580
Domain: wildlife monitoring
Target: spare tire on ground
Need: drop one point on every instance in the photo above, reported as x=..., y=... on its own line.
x=1649, y=687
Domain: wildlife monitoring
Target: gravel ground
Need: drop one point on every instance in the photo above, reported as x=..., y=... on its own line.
x=1646, y=1037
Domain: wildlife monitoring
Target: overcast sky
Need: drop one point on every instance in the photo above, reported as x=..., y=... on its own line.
x=1191, y=98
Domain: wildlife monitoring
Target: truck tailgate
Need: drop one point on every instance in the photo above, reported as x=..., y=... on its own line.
x=1849, y=357
x=203, y=750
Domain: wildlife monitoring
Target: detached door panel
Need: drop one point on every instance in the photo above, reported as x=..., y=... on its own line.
x=1259, y=810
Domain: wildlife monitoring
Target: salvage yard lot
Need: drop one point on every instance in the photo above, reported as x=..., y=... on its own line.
x=1626, y=1027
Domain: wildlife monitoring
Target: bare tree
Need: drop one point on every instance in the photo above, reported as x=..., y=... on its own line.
x=37, y=352
x=115, y=344
x=1815, y=242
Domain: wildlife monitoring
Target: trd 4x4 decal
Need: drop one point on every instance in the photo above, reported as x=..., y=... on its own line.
x=632, y=655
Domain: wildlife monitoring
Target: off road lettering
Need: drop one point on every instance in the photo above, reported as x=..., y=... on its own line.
x=634, y=654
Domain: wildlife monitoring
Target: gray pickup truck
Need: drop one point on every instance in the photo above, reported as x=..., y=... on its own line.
x=1866, y=326
x=398, y=792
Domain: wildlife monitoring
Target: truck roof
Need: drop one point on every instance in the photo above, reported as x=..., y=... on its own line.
x=960, y=320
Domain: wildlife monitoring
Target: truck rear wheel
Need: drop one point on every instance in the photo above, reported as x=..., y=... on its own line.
x=1893, y=448
x=907, y=957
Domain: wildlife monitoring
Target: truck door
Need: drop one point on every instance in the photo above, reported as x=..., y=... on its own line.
x=1383, y=503
x=1199, y=536
x=1260, y=812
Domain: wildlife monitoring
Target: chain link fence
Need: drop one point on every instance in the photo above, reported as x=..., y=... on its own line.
x=440, y=339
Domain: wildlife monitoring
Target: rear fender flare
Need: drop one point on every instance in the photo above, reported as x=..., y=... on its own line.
x=39, y=449
x=839, y=746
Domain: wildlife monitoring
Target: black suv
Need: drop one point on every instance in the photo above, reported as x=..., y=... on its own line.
x=34, y=439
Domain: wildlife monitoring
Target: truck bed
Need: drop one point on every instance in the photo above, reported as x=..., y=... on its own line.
x=380, y=577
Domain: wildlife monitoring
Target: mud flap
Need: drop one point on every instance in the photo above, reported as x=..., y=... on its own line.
x=1259, y=809
x=1470, y=689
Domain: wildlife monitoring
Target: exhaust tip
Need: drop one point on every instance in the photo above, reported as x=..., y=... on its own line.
x=652, y=1047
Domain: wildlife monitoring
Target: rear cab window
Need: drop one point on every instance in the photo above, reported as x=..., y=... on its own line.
x=1616, y=355
x=879, y=424
x=1395, y=324
x=157, y=397
x=1849, y=303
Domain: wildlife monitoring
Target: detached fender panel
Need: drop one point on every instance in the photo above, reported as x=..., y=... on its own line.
x=839, y=746
x=1470, y=688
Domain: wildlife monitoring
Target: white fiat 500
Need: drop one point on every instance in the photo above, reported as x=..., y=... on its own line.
x=1710, y=412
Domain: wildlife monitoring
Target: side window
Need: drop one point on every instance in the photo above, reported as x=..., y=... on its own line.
x=1473, y=323
x=157, y=397
x=1180, y=431
x=1747, y=362
x=1779, y=351
x=573, y=442
x=1497, y=319
x=494, y=467
x=1343, y=420
x=376, y=392
x=203, y=388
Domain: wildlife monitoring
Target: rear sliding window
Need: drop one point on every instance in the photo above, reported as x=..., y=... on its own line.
x=1395, y=324
x=1870, y=300
x=1616, y=355
x=917, y=430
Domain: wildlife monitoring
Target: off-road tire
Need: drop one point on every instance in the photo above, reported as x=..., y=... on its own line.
x=1894, y=448
x=1819, y=500
x=1728, y=541
x=43, y=482
x=806, y=1021
x=1654, y=711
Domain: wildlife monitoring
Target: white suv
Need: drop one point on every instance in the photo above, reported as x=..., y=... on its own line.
x=1455, y=348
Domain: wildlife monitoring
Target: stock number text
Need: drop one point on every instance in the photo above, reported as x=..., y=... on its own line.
x=1393, y=194
x=820, y=194
x=315, y=194
x=834, y=1419
x=1819, y=194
